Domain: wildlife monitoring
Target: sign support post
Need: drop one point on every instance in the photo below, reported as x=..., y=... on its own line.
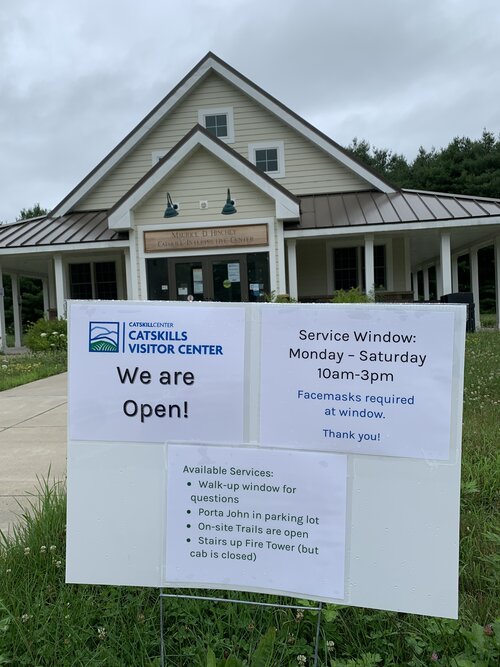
x=252, y=603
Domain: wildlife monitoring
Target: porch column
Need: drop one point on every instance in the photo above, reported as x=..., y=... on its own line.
x=474, y=277
x=369, y=266
x=415, y=285
x=291, y=247
x=426, y=284
x=446, y=283
x=454, y=274
x=51, y=285
x=407, y=265
x=281, y=287
x=16, y=309
x=131, y=267
x=45, y=292
x=497, y=278
x=3, y=338
x=59, y=276
x=128, y=273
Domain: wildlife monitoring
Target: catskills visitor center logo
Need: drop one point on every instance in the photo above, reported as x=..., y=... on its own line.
x=104, y=336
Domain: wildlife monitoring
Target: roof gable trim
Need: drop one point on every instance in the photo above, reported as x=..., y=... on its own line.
x=121, y=215
x=212, y=63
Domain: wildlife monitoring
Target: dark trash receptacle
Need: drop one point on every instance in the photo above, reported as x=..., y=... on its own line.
x=463, y=297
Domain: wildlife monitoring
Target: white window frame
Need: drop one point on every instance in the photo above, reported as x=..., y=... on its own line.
x=277, y=145
x=217, y=111
x=93, y=261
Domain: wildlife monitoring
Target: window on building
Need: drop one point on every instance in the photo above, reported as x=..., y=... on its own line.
x=420, y=285
x=349, y=267
x=345, y=268
x=93, y=280
x=80, y=278
x=432, y=283
x=268, y=157
x=379, y=266
x=218, y=122
x=105, y=280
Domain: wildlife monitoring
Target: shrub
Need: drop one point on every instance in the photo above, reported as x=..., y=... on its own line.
x=47, y=336
x=354, y=295
x=273, y=297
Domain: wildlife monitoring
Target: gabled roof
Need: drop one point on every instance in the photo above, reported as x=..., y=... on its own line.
x=287, y=204
x=359, y=209
x=212, y=63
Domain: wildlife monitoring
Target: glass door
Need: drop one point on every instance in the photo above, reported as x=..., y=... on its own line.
x=243, y=277
x=226, y=277
x=189, y=281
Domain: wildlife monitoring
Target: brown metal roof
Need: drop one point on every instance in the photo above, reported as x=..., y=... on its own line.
x=374, y=208
x=73, y=228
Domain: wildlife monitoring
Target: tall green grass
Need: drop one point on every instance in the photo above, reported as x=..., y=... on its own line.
x=44, y=622
x=19, y=369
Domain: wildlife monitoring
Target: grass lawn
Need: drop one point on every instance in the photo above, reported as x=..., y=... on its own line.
x=44, y=622
x=18, y=369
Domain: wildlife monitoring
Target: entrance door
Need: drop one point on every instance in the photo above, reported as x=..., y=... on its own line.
x=243, y=277
x=188, y=281
x=226, y=278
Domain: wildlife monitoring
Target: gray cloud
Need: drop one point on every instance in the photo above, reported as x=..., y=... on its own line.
x=77, y=76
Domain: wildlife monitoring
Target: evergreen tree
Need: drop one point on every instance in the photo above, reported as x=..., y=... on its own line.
x=34, y=212
x=466, y=166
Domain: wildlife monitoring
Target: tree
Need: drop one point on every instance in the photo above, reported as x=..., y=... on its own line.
x=34, y=212
x=466, y=166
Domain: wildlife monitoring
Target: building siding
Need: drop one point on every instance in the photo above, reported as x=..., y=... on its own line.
x=307, y=168
x=204, y=178
x=311, y=269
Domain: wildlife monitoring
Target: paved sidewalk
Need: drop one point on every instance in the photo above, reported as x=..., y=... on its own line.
x=32, y=440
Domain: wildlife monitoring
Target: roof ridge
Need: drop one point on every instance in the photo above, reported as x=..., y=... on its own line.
x=450, y=194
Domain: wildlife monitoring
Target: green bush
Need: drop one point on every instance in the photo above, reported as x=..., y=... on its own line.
x=274, y=297
x=47, y=336
x=354, y=295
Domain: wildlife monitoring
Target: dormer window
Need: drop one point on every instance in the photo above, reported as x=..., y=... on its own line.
x=219, y=122
x=269, y=157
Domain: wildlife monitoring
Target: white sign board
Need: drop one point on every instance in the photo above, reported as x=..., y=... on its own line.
x=368, y=381
x=148, y=488
x=155, y=374
x=239, y=517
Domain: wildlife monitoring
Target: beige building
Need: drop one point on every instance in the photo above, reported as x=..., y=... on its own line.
x=223, y=193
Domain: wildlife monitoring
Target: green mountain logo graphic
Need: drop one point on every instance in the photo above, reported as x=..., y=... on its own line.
x=104, y=336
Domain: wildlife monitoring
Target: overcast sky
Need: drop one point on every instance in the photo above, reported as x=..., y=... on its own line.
x=77, y=75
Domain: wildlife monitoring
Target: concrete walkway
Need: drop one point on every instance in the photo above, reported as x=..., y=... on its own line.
x=32, y=440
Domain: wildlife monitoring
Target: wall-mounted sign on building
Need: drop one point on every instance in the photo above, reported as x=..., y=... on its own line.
x=205, y=238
